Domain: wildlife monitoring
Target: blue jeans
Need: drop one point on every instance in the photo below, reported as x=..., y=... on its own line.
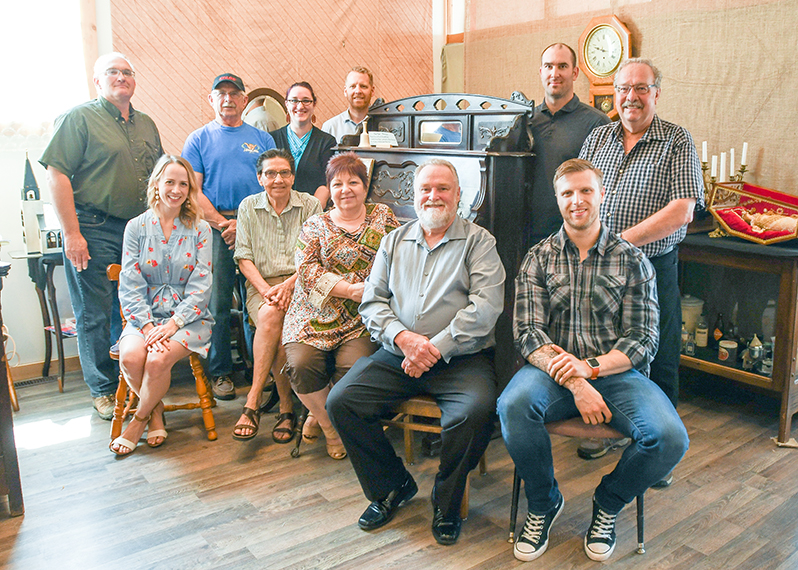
x=95, y=301
x=220, y=359
x=640, y=410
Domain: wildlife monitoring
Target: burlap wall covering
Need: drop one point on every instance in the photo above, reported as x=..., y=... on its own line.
x=179, y=47
x=729, y=66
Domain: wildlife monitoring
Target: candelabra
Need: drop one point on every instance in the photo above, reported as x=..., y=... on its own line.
x=711, y=181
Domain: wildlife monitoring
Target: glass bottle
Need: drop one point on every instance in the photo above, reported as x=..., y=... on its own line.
x=718, y=331
x=689, y=347
x=685, y=335
x=702, y=332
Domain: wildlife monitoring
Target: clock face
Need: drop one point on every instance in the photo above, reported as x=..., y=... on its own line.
x=603, y=50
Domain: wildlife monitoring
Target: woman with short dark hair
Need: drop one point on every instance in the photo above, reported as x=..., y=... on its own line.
x=334, y=256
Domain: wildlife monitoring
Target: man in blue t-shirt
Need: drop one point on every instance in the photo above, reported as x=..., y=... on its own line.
x=223, y=154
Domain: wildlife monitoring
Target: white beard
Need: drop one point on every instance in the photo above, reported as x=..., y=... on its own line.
x=433, y=219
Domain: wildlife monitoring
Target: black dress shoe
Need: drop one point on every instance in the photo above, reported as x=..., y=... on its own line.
x=446, y=530
x=379, y=513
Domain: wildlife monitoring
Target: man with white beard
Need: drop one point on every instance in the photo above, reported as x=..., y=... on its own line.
x=432, y=300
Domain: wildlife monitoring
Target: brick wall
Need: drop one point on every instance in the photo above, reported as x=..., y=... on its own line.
x=178, y=47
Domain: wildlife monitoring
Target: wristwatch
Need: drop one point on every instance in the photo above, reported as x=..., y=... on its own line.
x=595, y=367
x=178, y=321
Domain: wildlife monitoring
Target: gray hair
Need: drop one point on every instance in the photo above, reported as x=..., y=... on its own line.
x=654, y=69
x=436, y=162
x=102, y=62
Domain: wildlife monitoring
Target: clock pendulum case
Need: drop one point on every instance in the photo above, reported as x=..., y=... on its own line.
x=604, y=44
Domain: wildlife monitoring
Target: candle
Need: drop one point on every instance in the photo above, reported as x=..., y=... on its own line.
x=744, y=159
x=704, y=151
x=722, y=167
x=714, y=172
x=731, y=163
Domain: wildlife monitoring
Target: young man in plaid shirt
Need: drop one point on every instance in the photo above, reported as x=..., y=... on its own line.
x=586, y=320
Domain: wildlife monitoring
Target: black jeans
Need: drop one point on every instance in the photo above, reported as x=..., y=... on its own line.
x=665, y=366
x=465, y=390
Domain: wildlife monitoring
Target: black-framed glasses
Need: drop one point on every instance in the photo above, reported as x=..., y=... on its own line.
x=639, y=89
x=305, y=102
x=273, y=174
x=113, y=72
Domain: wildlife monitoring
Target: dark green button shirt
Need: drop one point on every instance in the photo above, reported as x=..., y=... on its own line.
x=107, y=159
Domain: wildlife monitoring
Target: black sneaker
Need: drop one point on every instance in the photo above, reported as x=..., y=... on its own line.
x=223, y=388
x=600, y=537
x=534, y=539
x=594, y=448
x=379, y=513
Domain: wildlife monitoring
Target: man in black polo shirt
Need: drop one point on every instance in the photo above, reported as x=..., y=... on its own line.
x=560, y=125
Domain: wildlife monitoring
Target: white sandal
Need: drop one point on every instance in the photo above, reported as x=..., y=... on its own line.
x=122, y=442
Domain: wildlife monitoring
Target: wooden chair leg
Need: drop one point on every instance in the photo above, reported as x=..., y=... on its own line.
x=464, y=503
x=12, y=391
x=641, y=544
x=514, y=505
x=119, y=408
x=408, y=433
x=205, y=397
x=483, y=465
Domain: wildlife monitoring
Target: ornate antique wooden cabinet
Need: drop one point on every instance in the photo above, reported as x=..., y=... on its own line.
x=487, y=140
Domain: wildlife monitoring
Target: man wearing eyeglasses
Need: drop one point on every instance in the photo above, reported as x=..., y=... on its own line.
x=653, y=183
x=98, y=163
x=269, y=225
x=223, y=154
x=358, y=90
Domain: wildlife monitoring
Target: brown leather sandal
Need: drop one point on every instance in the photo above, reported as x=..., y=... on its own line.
x=286, y=417
x=254, y=417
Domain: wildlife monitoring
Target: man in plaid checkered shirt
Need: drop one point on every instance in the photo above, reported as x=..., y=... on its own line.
x=586, y=321
x=653, y=183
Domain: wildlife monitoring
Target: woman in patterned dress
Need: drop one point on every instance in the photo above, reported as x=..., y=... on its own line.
x=164, y=288
x=335, y=252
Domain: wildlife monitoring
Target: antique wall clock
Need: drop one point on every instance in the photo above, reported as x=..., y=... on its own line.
x=604, y=44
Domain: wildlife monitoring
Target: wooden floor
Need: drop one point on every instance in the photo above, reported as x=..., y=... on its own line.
x=225, y=504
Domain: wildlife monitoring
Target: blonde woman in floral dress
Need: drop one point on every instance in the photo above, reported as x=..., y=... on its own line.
x=164, y=288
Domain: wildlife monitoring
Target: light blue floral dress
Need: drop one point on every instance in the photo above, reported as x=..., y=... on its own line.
x=162, y=278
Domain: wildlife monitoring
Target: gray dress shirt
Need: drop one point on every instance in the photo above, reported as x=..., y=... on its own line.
x=340, y=125
x=452, y=293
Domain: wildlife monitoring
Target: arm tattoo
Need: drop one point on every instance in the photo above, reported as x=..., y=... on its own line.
x=541, y=357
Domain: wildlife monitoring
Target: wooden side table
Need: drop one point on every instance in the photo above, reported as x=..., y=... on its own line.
x=781, y=262
x=41, y=269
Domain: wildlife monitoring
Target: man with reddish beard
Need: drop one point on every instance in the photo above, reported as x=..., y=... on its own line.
x=654, y=182
x=98, y=163
x=358, y=90
x=586, y=322
x=559, y=127
x=432, y=300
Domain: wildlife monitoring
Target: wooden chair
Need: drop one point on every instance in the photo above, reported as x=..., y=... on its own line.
x=126, y=400
x=12, y=391
x=576, y=427
x=405, y=415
